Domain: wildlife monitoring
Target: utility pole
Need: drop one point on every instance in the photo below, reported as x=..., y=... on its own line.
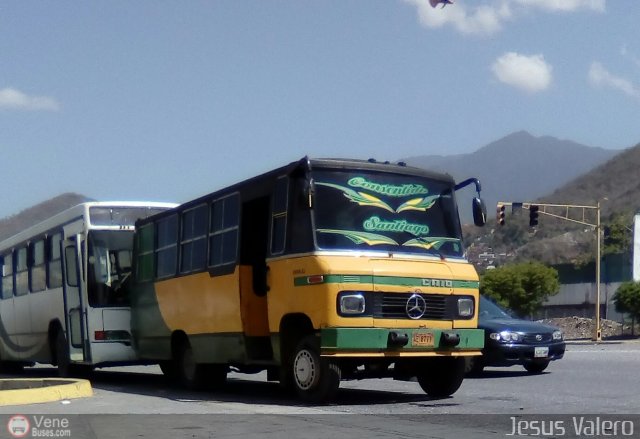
x=568, y=214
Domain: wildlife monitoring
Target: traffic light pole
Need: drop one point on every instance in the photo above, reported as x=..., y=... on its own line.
x=542, y=209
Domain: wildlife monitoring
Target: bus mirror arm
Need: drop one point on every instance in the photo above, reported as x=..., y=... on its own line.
x=467, y=182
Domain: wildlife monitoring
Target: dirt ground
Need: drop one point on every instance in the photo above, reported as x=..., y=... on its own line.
x=576, y=328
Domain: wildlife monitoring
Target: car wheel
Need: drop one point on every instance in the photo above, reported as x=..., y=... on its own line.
x=314, y=378
x=537, y=367
x=441, y=377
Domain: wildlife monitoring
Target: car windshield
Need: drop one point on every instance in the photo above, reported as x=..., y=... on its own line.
x=358, y=210
x=490, y=310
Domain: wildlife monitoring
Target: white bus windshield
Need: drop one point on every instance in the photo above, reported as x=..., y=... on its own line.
x=359, y=210
x=119, y=216
x=109, y=267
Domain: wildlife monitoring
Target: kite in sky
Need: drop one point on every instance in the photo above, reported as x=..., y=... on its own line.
x=435, y=3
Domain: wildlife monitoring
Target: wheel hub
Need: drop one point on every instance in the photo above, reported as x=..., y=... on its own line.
x=305, y=369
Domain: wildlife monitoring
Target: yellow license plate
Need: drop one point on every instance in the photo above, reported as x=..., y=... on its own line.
x=422, y=339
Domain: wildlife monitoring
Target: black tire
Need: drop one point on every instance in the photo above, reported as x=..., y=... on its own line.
x=442, y=376
x=169, y=369
x=315, y=379
x=215, y=375
x=536, y=367
x=474, y=366
x=63, y=361
x=191, y=375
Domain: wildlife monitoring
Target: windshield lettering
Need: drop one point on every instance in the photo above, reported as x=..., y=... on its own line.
x=389, y=189
x=375, y=224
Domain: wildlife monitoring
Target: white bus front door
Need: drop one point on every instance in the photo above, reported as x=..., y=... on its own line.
x=74, y=306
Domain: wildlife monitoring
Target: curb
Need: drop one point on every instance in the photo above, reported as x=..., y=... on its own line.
x=20, y=391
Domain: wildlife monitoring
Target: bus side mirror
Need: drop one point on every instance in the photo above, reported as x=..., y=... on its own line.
x=479, y=212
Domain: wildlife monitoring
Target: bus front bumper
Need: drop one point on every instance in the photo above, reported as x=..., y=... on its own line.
x=390, y=342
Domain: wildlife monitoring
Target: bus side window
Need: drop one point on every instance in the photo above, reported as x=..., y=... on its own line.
x=7, y=276
x=37, y=270
x=22, y=271
x=54, y=264
x=167, y=248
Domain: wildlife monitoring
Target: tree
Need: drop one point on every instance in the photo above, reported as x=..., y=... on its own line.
x=627, y=300
x=521, y=287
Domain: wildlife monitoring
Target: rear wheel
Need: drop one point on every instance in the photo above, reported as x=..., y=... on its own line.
x=189, y=373
x=441, y=377
x=537, y=367
x=314, y=378
x=62, y=355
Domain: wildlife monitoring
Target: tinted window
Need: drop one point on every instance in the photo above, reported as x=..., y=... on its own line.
x=223, y=237
x=167, y=252
x=145, y=268
x=193, y=247
x=357, y=210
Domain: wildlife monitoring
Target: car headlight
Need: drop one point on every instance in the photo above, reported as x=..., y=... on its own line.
x=557, y=335
x=505, y=336
x=352, y=303
x=465, y=307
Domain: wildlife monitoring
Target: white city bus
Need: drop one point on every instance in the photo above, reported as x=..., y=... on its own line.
x=64, y=293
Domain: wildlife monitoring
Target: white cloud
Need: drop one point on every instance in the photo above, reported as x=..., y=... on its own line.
x=564, y=5
x=489, y=17
x=600, y=77
x=12, y=99
x=531, y=74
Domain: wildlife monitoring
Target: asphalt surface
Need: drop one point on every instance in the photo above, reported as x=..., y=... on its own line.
x=593, y=380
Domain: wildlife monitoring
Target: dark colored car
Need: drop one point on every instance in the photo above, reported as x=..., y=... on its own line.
x=510, y=341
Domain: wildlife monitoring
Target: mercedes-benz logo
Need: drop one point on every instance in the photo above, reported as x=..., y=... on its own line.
x=538, y=337
x=416, y=307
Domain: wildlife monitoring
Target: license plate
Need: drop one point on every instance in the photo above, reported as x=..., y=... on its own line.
x=422, y=339
x=542, y=352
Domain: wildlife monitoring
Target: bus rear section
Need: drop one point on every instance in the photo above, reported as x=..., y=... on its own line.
x=65, y=288
x=319, y=271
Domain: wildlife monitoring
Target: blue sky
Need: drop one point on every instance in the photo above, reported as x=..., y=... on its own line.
x=169, y=100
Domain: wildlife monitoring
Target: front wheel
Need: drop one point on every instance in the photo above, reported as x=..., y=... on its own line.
x=442, y=376
x=537, y=367
x=190, y=374
x=314, y=378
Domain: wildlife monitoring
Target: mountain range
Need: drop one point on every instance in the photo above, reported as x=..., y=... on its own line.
x=518, y=168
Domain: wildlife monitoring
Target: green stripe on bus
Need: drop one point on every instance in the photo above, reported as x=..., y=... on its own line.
x=302, y=281
x=349, y=339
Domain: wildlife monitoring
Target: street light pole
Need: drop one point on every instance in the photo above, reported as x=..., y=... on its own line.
x=597, y=336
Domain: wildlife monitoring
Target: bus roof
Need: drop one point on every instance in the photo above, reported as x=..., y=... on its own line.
x=309, y=164
x=71, y=214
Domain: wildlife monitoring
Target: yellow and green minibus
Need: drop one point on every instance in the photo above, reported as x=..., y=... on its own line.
x=319, y=271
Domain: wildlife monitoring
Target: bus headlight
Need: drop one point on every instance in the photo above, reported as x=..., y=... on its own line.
x=465, y=307
x=352, y=304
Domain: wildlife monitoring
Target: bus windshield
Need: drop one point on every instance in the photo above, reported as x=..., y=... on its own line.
x=119, y=215
x=360, y=210
x=109, y=267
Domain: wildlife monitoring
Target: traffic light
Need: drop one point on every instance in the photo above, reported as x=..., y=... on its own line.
x=500, y=213
x=533, y=215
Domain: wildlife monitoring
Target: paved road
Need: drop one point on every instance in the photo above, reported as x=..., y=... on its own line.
x=591, y=379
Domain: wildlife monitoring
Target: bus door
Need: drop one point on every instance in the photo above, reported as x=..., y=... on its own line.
x=74, y=306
